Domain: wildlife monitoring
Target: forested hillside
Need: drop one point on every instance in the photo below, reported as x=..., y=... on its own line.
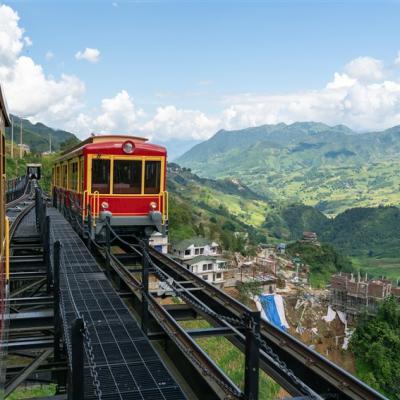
x=37, y=136
x=229, y=206
x=332, y=168
x=376, y=346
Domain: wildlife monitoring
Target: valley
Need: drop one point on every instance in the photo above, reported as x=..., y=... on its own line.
x=330, y=168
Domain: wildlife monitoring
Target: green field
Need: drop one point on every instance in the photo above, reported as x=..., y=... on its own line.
x=32, y=391
x=388, y=267
x=231, y=360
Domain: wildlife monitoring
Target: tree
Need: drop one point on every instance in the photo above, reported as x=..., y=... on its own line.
x=248, y=290
x=376, y=346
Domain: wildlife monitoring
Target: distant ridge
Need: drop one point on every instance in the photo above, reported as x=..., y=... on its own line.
x=331, y=167
x=36, y=136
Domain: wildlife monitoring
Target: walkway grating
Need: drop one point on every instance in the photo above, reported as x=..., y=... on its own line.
x=127, y=365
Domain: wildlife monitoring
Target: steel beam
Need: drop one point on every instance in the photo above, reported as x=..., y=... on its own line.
x=26, y=276
x=31, y=301
x=16, y=381
x=32, y=320
x=27, y=287
x=181, y=312
x=30, y=344
x=207, y=332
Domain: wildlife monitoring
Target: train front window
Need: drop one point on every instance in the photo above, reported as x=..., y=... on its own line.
x=127, y=177
x=152, y=177
x=101, y=176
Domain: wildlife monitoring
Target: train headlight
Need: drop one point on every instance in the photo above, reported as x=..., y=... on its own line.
x=128, y=147
x=104, y=205
x=153, y=205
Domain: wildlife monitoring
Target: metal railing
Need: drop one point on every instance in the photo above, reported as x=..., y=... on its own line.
x=15, y=188
x=72, y=338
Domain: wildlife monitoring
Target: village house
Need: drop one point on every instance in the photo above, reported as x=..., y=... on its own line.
x=195, y=246
x=202, y=257
x=310, y=237
x=209, y=268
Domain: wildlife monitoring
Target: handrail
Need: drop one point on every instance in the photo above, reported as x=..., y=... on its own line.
x=96, y=206
x=84, y=203
x=165, y=206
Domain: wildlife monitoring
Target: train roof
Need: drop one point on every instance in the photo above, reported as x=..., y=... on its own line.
x=103, y=139
x=4, y=108
x=110, y=144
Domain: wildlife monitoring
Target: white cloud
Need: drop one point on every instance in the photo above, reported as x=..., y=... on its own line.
x=361, y=96
x=171, y=122
x=89, y=54
x=11, y=36
x=361, y=100
x=119, y=114
x=365, y=68
x=49, y=55
x=29, y=92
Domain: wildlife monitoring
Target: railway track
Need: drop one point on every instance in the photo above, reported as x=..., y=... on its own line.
x=17, y=209
x=297, y=368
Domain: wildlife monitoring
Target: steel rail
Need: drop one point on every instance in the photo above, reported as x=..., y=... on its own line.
x=320, y=374
x=214, y=376
x=268, y=363
x=315, y=371
x=21, y=198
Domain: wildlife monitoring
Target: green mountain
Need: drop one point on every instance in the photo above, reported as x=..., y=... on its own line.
x=331, y=168
x=220, y=209
x=37, y=136
x=361, y=231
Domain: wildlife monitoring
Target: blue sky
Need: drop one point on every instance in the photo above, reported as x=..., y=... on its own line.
x=212, y=58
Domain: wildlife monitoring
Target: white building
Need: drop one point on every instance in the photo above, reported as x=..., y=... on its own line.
x=210, y=268
x=196, y=246
x=202, y=257
x=159, y=242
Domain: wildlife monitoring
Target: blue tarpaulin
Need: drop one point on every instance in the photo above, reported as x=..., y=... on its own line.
x=269, y=306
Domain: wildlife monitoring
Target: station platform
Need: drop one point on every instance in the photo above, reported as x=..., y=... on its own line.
x=126, y=363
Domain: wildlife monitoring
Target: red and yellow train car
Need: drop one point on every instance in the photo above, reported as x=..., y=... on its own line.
x=122, y=177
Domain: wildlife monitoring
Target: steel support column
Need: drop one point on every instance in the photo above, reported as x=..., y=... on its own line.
x=77, y=368
x=252, y=356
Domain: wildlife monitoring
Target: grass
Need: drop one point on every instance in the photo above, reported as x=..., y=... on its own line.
x=32, y=391
x=231, y=360
x=388, y=267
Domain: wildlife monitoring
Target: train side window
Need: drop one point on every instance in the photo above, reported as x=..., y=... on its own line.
x=64, y=175
x=74, y=176
x=81, y=175
x=58, y=180
x=152, y=177
x=127, y=177
x=101, y=176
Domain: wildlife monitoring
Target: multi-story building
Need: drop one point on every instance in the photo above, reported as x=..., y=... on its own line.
x=354, y=294
x=202, y=257
x=210, y=268
x=195, y=246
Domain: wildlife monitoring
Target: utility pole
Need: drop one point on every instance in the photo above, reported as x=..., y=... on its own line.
x=20, y=140
x=12, y=137
x=50, y=142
